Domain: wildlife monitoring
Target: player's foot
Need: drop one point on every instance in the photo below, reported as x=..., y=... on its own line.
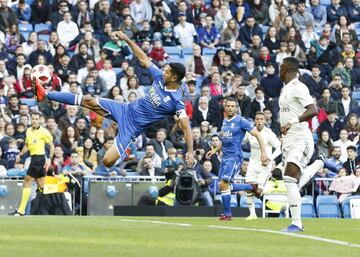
x=224, y=217
x=38, y=90
x=292, y=229
x=251, y=217
x=16, y=213
x=257, y=191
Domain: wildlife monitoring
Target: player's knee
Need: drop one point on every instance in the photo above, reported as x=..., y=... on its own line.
x=107, y=162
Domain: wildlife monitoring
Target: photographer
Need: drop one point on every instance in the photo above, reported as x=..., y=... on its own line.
x=204, y=179
x=159, y=17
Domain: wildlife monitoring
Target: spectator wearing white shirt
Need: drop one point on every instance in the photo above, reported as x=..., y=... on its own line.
x=67, y=30
x=84, y=72
x=140, y=10
x=344, y=143
x=108, y=74
x=185, y=31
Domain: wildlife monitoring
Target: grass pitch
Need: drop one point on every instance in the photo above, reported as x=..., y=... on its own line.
x=164, y=237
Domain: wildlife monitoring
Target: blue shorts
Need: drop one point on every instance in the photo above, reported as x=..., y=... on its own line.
x=229, y=169
x=119, y=112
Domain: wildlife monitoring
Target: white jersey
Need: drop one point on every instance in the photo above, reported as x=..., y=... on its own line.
x=293, y=99
x=270, y=141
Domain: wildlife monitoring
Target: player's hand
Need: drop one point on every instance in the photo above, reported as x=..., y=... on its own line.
x=285, y=128
x=121, y=35
x=189, y=158
x=264, y=159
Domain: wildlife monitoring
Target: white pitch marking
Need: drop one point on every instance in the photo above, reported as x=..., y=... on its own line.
x=322, y=239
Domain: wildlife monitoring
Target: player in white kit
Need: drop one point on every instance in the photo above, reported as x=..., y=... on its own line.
x=296, y=108
x=258, y=173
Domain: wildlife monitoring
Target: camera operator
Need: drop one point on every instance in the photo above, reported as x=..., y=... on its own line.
x=159, y=17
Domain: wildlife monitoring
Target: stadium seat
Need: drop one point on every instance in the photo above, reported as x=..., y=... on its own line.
x=356, y=95
x=187, y=51
x=25, y=34
x=234, y=202
x=307, y=207
x=209, y=51
x=117, y=70
x=173, y=51
x=43, y=28
x=44, y=37
x=325, y=2
x=28, y=101
x=327, y=206
x=346, y=206
x=243, y=202
x=176, y=59
x=25, y=27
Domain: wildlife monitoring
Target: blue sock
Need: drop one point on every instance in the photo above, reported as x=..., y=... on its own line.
x=236, y=187
x=226, y=199
x=65, y=97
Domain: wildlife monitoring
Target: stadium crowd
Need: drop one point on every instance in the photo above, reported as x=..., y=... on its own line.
x=230, y=48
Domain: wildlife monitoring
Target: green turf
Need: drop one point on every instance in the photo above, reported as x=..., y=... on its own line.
x=112, y=236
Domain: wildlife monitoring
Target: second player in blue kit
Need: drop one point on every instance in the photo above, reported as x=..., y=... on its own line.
x=232, y=134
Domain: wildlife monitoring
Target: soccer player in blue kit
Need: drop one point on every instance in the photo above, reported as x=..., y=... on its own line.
x=163, y=99
x=232, y=134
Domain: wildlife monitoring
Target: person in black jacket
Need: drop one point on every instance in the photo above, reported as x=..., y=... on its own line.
x=249, y=29
x=352, y=161
x=105, y=15
x=244, y=102
x=331, y=125
x=315, y=83
x=203, y=113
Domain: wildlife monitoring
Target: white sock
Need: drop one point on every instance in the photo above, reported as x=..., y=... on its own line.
x=251, y=205
x=294, y=199
x=309, y=172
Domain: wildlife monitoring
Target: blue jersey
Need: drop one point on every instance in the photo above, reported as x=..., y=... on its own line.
x=157, y=103
x=232, y=134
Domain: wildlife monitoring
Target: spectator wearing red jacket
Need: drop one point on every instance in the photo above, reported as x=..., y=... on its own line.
x=158, y=53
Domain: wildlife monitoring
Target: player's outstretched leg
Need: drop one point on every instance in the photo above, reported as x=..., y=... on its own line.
x=310, y=171
x=292, y=176
x=251, y=206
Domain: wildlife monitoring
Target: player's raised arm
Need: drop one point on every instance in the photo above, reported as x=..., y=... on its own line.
x=185, y=125
x=139, y=54
x=264, y=157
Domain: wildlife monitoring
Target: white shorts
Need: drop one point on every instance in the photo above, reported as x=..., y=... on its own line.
x=258, y=174
x=298, y=149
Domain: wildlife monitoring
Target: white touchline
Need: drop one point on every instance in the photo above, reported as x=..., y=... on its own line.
x=322, y=239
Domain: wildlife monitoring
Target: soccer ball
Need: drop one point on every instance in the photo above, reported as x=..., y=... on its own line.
x=41, y=73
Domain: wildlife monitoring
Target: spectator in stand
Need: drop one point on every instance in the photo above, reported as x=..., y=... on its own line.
x=259, y=103
x=271, y=41
x=87, y=155
x=116, y=50
x=265, y=58
x=275, y=9
x=7, y=16
x=319, y=13
x=52, y=127
x=335, y=87
x=302, y=17
x=145, y=34
x=104, y=15
x=199, y=65
x=140, y=10
x=83, y=14
x=148, y=168
x=343, y=142
x=168, y=34
x=240, y=10
x=57, y=16
x=23, y=12
x=158, y=53
x=326, y=102
x=108, y=74
x=69, y=118
x=133, y=87
x=41, y=50
x=309, y=35
x=216, y=86
x=67, y=30
x=92, y=44
x=346, y=104
x=185, y=32
x=70, y=139
x=244, y=101
x=345, y=185
x=351, y=161
x=250, y=70
x=279, y=22
x=332, y=125
x=230, y=35
x=334, y=11
x=352, y=126
x=160, y=15
x=23, y=84
x=150, y=152
x=208, y=35
x=354, y=73
x=203, y=113
x=79, y=59
x=222, y=17
x=315, y=83
x=58, y=161
x=344, y=25
x=249, y=29
x=324, y=146
x=354, y=11
x=214, y=7
x=128, y=27
x=296, y=51
x=64, y=69
x=271, y=83
x=13, y=38
x=194, y=12
x=40, y=12
x=161, y=145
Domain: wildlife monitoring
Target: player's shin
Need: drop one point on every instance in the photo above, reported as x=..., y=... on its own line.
x=294, y=199
x=309, y=172
x=65, y=97
x=250, y=203
x=226, y=200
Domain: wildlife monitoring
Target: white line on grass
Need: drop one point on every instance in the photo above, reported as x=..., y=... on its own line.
x=322, y=239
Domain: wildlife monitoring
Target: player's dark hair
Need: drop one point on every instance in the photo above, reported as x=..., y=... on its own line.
x=292, y=64
x=178, y=69
x=231, y=99
x=277, y=174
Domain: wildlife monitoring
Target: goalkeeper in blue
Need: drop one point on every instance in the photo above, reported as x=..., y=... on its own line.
x=163, y=99
x=232, y=134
